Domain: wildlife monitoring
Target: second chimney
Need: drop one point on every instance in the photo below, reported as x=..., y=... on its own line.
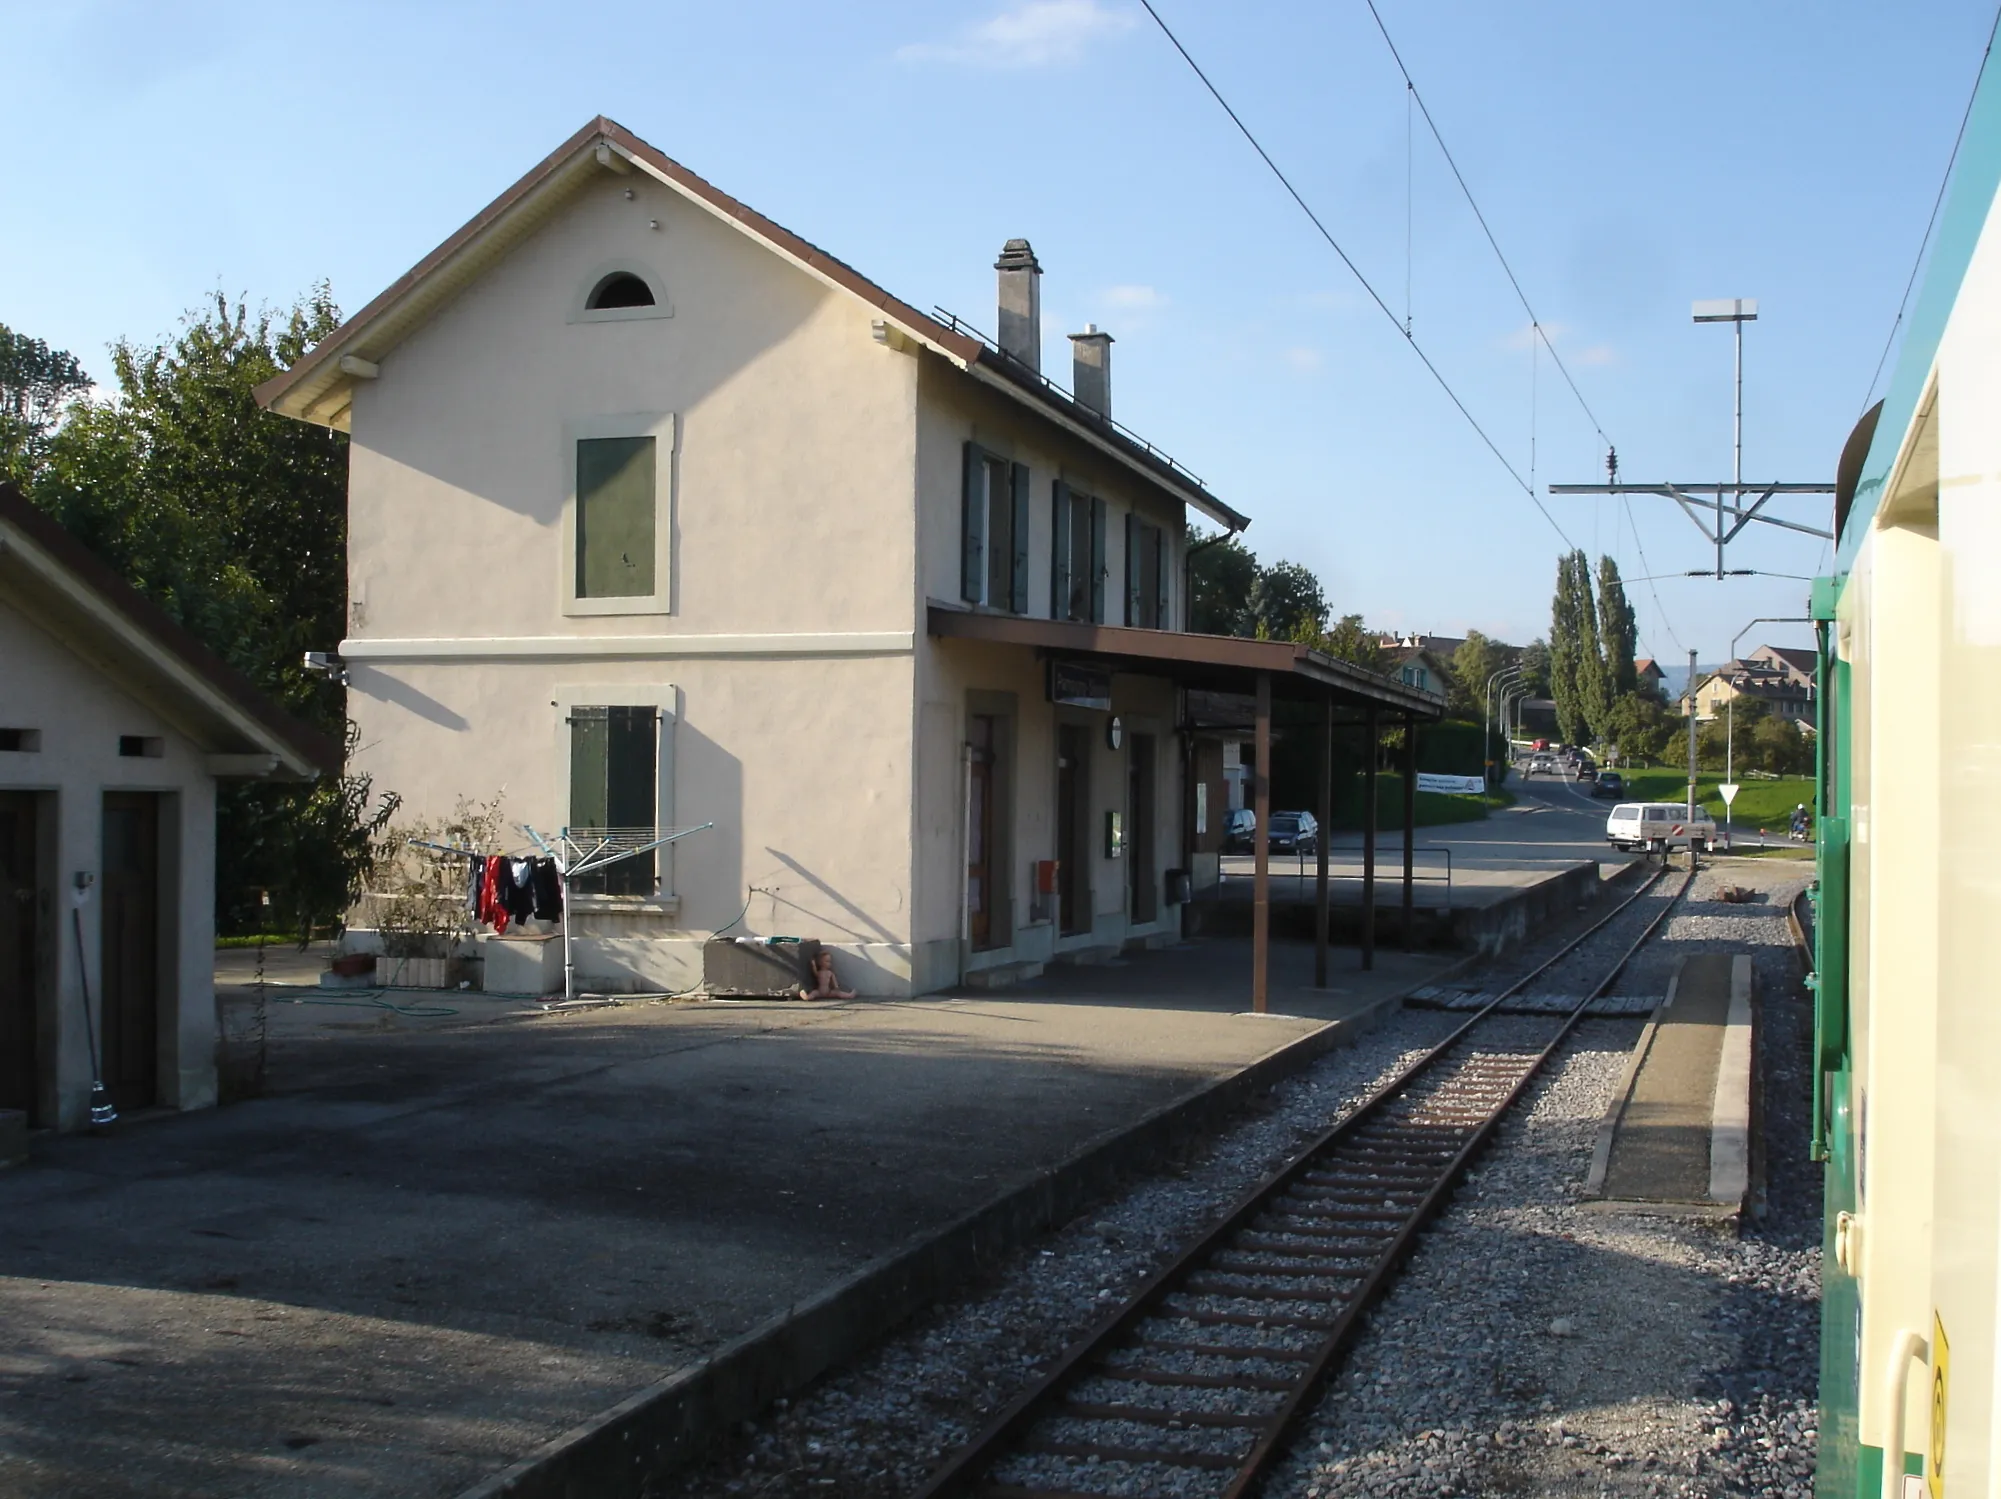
x=1020, y=303
x=1091, y=378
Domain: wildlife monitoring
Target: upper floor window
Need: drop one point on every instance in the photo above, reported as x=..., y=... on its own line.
x=617, y=293
x=993, y=531
x=616, y=522
x=1149, y=573
x=619, y=289
x=1077, y=556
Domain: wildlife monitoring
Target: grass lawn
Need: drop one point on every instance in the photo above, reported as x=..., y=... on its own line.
x=1760, y=804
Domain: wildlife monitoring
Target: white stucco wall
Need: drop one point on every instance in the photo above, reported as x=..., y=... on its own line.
x=786, y=655
x=80, y=715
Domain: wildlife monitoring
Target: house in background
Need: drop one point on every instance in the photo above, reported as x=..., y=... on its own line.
x=115, y=725
x=1782, y=680
x=1427, y=668
x=1652, y=680
x=661, y=516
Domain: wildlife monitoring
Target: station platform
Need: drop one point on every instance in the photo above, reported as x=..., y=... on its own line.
x=1677, y=1135
x=440, y=1241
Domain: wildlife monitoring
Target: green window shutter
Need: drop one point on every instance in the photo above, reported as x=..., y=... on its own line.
x=1133, y=529
x=1017, y=592
x=614, y=783
x=1059, y=550
x=1163, y=580
x=973, y=528
x=615, y=517
x=1097, y=561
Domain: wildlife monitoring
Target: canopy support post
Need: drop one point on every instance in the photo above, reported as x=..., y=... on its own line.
x=1320, y=848
x=1409, y=824
x=1261, y=846
x=1371, y=745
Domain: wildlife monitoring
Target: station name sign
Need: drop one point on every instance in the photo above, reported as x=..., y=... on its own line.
x=1077, y=686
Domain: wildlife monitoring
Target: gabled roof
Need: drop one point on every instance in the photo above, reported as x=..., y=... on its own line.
x=1798, y=660
x=1646, y=664
x=319, y=388
x=66, y=589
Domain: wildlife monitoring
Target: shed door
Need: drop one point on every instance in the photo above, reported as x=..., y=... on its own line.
x=18, y=1040
x=129, y=966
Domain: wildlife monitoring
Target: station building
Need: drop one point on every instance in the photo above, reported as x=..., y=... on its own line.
x=660, y=516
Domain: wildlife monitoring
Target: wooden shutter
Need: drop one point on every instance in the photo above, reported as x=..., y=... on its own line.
x=1134, y=530
x=1059, y=550
x=1163, y=566
x=1017, y=593
x=1097, y=561
x=615, y=517
x=973, y=528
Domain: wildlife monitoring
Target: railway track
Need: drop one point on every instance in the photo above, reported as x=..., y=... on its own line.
x=1191, y=1388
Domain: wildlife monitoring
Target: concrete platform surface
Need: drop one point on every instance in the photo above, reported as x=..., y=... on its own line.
x=1681, y=1106
x=437, y=1243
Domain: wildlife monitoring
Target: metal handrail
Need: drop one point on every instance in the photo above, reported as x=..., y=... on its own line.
x=960, y=326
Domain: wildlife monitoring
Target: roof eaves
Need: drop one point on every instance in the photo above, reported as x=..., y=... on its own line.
x=80, y=572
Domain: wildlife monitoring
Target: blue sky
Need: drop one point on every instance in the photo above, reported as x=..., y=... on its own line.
x=1630, y=159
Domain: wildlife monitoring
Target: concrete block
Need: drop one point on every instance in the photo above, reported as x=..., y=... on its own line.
x=521, y=965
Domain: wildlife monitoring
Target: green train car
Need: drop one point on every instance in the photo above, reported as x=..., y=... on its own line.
x=1908, y=901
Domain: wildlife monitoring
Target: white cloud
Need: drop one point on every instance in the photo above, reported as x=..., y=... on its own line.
x=1034, y=34
x=1597, y=354
x=1140, y=298
x=1524, y=338
x=1304, y=361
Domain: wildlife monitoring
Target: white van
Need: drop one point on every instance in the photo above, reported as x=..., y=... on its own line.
x=1659, y=825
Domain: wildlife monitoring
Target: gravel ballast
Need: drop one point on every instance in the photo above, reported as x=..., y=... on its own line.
x=1535, y=1344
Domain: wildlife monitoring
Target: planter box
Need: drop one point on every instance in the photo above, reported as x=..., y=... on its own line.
x=413, y=973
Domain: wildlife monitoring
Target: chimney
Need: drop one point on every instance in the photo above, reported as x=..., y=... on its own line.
x=1020, y=303
x=1091, y=377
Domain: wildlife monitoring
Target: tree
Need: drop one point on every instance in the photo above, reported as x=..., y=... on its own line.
x=1285, y=597
x=1477, y=659
x=1354, y=642
x=1534, y=662
x=1222, y=571
x=1639, y=724
x=1618, y=632
x=234, y=521
x=36, y=383
x=1575, y=677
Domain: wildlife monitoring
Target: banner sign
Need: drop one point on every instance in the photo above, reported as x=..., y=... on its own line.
x=1080, y=686
x=1450, y=785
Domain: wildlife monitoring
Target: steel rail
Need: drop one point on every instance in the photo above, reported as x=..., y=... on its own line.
x=1388, y=1174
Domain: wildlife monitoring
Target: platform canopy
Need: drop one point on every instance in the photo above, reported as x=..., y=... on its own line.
x=1208, y=663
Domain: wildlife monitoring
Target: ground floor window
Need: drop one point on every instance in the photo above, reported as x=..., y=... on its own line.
x=614, y=783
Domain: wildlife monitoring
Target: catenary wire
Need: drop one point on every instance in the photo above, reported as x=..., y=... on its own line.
x=1410, y=84
x=1932, y=223
x=1356, y=271
x=1535, y=322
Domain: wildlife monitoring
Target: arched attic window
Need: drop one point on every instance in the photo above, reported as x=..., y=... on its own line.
x=619, y=289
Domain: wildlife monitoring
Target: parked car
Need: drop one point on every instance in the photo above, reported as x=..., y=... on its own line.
x=1609, y=783
x=1238, y=829
x=1659, y=825
x=1294, y=833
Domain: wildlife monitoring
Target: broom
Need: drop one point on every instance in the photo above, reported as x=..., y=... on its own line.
x=102, y=1111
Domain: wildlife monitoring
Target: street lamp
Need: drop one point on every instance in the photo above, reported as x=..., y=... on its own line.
x=1487, y=718
x=1730, y=713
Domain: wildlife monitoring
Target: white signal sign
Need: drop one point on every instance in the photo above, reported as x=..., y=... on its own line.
x=1728, y=791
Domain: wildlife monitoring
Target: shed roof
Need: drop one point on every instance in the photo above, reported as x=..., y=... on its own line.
x=66, y=589
x=319, y=388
